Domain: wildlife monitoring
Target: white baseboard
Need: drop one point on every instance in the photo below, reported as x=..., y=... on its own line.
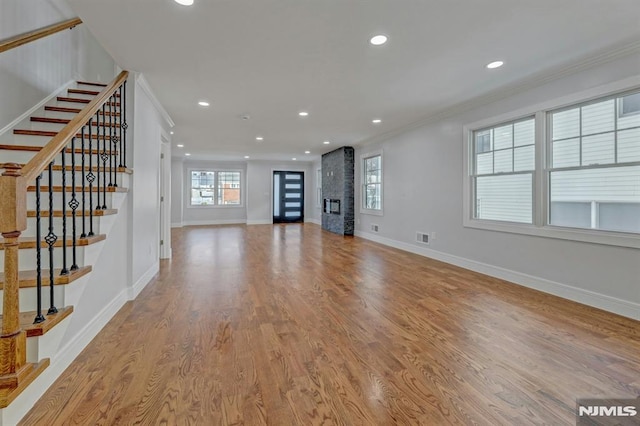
x=26, y=400
x=313, y=220
x=586, y=297
x=260, y=222
x=176, y=225
x=36, y=107
x=134, y=291
x=215, y=222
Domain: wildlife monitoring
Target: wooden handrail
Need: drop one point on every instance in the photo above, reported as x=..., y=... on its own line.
x=25, y=38
x=41, y=160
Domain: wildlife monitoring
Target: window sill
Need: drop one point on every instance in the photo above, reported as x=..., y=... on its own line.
x=215, y=206
x=372, y=212
x=610, y=238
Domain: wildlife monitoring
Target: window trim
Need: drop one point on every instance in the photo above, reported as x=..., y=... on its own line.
x=540, y=226
x=364, y=210
x=215, y=206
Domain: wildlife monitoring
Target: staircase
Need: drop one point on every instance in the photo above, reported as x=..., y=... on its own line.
x=64, y=178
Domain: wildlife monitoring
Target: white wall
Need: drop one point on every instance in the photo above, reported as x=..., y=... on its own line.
x=315, y=210
x=256, y=192
x=423, y=192
x=145, y=206
x=31, y=72
x=260, y=188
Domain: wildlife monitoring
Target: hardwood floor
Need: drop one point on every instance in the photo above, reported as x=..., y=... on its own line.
x=289, y=325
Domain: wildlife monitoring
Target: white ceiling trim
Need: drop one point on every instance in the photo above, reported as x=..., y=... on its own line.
x=144, y=85
x=603, y=57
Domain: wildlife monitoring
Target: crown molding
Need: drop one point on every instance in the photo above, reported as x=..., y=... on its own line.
x=538, y=79
x=144, y=85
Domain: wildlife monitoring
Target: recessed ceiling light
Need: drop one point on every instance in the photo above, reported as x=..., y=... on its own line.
x=171, y=132
x=294, y=158
x=203, y=103
x=496, y=64
x=326, y=142
x=303, y=113
x=376, y=121
x=187, y=154
x=259, y=138
x=180, y=145
x=307, y=152
x=184, y=2
x=246, y=156
x=378, y=40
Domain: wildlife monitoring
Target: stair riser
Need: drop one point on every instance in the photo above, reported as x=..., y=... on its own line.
x=23, y=157
x=57, y=225
x=122, y=179
x=56, y=127
x=57, y=201
x=44, y=140
x=47, y=346
x=63, y=295
x=65, y=115
x=79, y=95
x=27, y=257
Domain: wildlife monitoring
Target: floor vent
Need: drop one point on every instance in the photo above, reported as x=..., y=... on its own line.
x=422, y=237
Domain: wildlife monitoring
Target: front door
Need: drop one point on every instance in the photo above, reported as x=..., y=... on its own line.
x=288, y=197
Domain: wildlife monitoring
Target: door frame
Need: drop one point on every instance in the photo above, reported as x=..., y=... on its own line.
x=164, y=193
x=304, y=187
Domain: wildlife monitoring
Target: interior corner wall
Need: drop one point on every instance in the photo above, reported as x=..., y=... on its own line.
x=423, y=192
x=145, y=183
x=31, y=72
x=315, y=205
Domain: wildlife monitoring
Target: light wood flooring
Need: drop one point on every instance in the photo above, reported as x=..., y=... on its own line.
x=289, y=325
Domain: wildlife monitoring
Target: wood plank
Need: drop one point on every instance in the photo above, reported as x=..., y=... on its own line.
x=288, y=324
x=7, y=395
x=28, y=278
x=75, y=110
x=82, y=101
x=30, y=242
x=40, y=329
x=50, y=134
x=66, y=121
x=58, y=188
x=69, y=213
x=88, y=83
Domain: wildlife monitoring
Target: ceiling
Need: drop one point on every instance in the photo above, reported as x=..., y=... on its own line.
x=270, y=59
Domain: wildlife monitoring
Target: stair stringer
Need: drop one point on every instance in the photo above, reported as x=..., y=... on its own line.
x=96, y=298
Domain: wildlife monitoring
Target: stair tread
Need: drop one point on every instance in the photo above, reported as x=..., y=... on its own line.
x=88, y=92
x=32, y=330
x=38, y=148
x=58, y=213
x=27, y=279
x=30, y=242
x=57, y=168
x=58, y=188
x=89, y=83
x=67, y=121
x=51, y=133
x=7, y=395
x=75, y=110
x=82, y=100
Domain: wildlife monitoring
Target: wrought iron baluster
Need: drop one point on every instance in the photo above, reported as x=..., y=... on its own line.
x=110, y=139
x=114, y=145
x=65, y=270
x=118, y=122
x=73, y=203
x=51, y=239
x=124, y=125
x=39, y=317
x=97, y=158
x=84, y=206
x=90, y=178
x=105, y=157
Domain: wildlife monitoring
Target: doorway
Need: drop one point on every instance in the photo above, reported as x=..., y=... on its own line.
x=288, y=197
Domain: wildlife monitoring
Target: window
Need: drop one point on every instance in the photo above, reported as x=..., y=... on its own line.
x=504, y=161
x=319, y=188
x=594, y=166
x=372, y=183
x=215, y=188
x=569, y=172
